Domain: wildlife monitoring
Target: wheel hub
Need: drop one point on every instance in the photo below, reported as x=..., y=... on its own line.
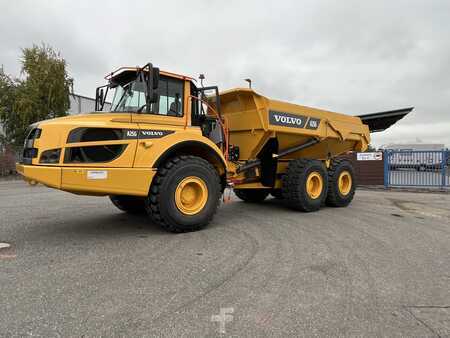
x=345, y=182
x=191, y=195
x=314, y=185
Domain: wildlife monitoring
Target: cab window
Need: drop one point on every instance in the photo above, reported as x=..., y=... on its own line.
x=131, y=97
x=170, y=97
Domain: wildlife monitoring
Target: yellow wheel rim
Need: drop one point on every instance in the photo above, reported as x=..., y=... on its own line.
x=191, y=195
x=314, y=185
x=345, y=182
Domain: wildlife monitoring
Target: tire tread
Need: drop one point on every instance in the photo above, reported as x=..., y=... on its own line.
x=153, y=207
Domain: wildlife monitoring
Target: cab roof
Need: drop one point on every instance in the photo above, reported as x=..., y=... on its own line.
x=123, y=72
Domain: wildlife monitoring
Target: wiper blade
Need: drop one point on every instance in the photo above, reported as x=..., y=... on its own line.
x=120, y=101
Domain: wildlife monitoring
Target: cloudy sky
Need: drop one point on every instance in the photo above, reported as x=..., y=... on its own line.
x=347, y=56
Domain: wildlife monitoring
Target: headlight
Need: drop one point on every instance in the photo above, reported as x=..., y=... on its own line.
x=50, y=156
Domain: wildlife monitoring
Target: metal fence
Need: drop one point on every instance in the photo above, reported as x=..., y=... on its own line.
x=417, y=168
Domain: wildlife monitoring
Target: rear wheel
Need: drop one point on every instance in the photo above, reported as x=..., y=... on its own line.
x=305, y=185
x=129, y=204
x=184, y=194
x=251, y=195
x=341, y=183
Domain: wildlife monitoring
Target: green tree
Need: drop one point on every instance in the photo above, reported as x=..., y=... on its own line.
x=41, y=93
x=8, y=93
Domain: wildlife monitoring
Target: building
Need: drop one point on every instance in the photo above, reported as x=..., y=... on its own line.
x=415, y=146
x=417, y=156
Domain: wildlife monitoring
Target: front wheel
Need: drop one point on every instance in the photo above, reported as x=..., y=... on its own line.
x=184, y=194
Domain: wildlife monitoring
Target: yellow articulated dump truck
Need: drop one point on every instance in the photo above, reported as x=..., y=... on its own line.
x=170, y=148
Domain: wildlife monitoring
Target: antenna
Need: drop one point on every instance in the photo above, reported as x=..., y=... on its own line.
x=249, y=83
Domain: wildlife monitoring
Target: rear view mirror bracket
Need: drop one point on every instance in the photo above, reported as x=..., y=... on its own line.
x=152, y=81
x=100, y=97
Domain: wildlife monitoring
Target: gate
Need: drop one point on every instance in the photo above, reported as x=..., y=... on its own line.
x=416, y=168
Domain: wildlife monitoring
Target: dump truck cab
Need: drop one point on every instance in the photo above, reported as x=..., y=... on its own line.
x=154, y=118
x=129, y=136
x=169, y=147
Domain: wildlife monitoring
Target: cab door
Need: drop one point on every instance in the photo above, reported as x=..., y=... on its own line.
x=170, y=116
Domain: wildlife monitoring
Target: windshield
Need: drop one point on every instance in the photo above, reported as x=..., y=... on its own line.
x=129, y=97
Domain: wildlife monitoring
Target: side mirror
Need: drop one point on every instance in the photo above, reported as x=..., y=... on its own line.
x=155, y=78
x=152, y=84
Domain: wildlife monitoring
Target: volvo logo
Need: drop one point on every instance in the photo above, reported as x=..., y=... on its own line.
x=146, y=133
x=292, y=120
x=288, y=119
x=156, y=133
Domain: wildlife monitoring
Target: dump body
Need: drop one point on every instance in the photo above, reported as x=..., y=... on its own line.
x=253, y=119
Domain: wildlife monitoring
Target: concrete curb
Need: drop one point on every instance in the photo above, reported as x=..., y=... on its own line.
x=426, y=190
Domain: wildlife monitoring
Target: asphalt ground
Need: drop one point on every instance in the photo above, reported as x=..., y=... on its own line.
x=79, y=267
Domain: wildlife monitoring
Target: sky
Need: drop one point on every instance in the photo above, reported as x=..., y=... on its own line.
x=352, y=56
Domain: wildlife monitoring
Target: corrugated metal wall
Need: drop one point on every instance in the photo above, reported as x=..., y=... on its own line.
x=368, y=172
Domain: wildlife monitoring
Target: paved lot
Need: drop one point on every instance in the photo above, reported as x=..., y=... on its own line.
x=79, y=267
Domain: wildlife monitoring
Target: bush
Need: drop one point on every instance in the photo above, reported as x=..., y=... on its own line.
x=8, y=158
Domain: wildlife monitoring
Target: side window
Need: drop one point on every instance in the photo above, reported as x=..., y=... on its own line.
x=170, y=97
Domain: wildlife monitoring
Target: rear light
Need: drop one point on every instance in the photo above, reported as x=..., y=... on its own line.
x=50, y=156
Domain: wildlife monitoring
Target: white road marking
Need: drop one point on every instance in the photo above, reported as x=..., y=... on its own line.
x=4, y=245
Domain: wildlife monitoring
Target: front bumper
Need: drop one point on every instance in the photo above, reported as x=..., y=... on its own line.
x=90, y=180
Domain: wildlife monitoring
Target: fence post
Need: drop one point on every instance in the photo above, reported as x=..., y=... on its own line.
x=386, y=168
x=443, y=167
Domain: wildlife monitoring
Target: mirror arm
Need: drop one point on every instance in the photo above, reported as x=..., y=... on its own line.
x=104, y=98
x=100, y=97
x=96, y=98
x=150, y=93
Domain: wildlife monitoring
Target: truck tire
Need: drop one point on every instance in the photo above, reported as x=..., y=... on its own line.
x=341, y=183
x=184, y=194
x=129, y=204
x=305, y=185
x=251, y=195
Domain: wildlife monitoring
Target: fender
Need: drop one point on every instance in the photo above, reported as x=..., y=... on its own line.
x=194, y=148
x=178, y=143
